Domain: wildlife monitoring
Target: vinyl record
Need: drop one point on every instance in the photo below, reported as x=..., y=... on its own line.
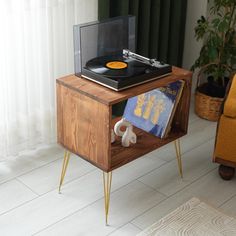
x=116, y=66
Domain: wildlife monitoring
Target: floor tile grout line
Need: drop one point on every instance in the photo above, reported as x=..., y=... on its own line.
x=20, y=205
x=179, y=190
x=171, y=160
x=74, y=179
x=18, y=180
x=148, y=172
x=131, y=221
x=227, y=200
x=135, y=225
x=121, y=227
x=38, y=196
x=164, y=195
x=38, y=167
x=67, y=182
x=63, y=218
x=112, y=192
x=187, y=182
x=183, y=153
x=24, y=173
x=172, y=195
x=75, y=212
x=94, y=170
x=154, y=157
x=113, y=231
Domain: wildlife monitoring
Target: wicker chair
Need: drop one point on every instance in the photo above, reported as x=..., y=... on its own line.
x=225, y=144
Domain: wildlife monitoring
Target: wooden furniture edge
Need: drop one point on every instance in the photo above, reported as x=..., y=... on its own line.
x=177, y=74
x=68, y=109
x=101, y=167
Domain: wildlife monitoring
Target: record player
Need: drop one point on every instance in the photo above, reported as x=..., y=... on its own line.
x=104, y=53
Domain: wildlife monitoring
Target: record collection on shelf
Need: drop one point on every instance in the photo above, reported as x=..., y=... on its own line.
x=154, y=111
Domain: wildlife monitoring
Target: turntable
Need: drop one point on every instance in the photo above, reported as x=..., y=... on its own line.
x=104, y=53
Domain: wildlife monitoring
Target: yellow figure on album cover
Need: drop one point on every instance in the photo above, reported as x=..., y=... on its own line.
x=153, y=111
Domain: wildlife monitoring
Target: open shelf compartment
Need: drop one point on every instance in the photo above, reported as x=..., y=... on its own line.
x=146, y=143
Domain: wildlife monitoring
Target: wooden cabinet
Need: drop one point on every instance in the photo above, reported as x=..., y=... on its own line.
x=84, y=119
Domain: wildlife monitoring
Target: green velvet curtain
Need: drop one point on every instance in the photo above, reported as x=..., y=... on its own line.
x=160, y=25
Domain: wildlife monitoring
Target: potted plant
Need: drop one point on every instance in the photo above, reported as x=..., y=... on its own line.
x=217, y=58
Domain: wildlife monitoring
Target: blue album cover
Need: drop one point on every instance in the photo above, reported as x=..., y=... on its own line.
x=152, y=111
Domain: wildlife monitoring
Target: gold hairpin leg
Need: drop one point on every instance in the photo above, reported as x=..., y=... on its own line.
x=64, y=167
x=107, y=178
x=178, y=156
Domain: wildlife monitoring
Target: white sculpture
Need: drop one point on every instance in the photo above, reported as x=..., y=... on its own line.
x=128, y=136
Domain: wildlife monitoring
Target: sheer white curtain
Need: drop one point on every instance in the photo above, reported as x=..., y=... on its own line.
x=36, y=47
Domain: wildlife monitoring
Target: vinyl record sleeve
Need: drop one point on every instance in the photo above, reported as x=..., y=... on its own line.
x=153, y=111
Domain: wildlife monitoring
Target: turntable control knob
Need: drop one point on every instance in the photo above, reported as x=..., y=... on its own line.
x=152, y=61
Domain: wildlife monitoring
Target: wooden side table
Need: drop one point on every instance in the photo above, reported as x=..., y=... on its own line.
x=84, y=123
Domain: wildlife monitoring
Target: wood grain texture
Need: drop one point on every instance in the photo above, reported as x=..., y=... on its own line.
x=109, y=97
x=181, y=117
x=83, y=126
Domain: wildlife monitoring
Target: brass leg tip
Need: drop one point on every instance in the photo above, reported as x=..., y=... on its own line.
x=106, y=220
x=59, y=190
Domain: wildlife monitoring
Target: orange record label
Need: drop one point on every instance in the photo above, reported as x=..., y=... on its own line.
x=116, y=65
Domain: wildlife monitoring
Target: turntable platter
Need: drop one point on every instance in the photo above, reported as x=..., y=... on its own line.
x=116, y=66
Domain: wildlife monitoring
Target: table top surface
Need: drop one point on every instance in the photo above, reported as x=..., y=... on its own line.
x=109, y=97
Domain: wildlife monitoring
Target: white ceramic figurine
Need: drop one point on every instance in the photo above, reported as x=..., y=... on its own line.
x=128, y=136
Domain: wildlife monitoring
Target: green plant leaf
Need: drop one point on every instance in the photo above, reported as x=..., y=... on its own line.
x=223, y=26
x=218, y=33
x=215, y=22
x=213, y=53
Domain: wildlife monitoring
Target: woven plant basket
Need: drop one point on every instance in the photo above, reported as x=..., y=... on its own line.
x=207, y=107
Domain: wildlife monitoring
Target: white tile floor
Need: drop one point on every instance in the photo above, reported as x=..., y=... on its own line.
x=142, y=191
